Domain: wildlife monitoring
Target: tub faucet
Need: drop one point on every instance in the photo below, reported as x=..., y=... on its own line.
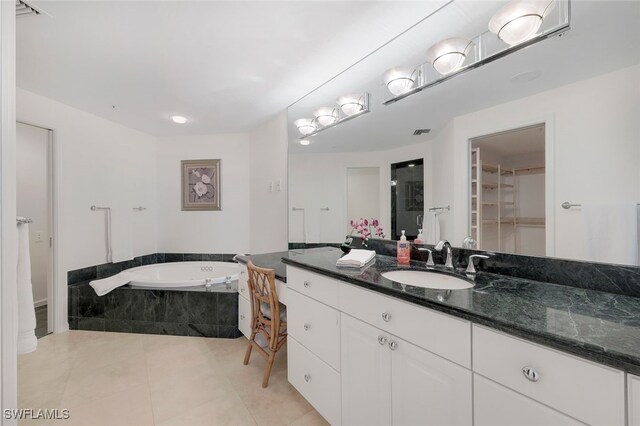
x=449, y=259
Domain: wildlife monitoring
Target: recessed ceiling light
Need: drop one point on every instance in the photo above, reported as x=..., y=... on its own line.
x=178, y=119
x=305, y=142
x=411, y=165
x=525, y=77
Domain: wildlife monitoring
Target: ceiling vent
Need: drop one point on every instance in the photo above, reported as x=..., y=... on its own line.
x=25, y=9
x=419, y=132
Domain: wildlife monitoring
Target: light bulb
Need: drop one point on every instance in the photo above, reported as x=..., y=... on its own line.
x=518, y=21
x=448, y=55
x=305, y=142
x=305, y=125
x=352, y=104
x=327, y=116
x=400, y=80
x=178, y=119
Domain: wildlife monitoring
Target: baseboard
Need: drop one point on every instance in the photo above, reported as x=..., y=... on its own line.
x=39, y=303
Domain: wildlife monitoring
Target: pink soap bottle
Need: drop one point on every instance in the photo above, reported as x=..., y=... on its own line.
x=404, y=250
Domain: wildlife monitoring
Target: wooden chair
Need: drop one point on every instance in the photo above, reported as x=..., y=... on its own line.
x=268, y=317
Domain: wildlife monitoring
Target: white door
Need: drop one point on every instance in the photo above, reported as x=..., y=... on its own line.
x=366, y=374
x=427, y=389
x=495, y=405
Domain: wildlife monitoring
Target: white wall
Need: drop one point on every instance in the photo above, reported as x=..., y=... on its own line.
x=224, y=231
x=8, y=229
x=320, y=180
x=32, y=163
x=592, y=135
x=268, y=167
x=96, y=162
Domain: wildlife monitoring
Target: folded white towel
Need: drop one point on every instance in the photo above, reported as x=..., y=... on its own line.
x=105, y=285
x=27, y=341
x=356, y=258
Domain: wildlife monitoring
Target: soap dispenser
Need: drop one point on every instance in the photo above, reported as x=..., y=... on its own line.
x=404, y=250
x=419, y=239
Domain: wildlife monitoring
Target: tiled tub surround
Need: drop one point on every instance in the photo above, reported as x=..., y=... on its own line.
x=601, y=326
x=188, y=312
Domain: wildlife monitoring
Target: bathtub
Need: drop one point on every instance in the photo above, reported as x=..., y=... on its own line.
x=172, y=275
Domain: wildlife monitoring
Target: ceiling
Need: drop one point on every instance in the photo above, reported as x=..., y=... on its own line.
x=604, y=36
x=226, y=65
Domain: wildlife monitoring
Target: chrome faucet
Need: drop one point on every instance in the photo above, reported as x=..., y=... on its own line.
x=470, y=267
x=449, y=259
x=430, y=259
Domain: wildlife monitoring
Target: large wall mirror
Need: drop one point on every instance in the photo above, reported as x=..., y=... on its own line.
x=536, y=153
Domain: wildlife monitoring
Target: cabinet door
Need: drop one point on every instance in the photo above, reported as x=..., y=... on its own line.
x=366, y=374
x=633, y=396
x=495, y=405
x=427, y=389
x=244, y=316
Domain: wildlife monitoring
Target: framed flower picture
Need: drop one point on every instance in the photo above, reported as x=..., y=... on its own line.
x=201, y=185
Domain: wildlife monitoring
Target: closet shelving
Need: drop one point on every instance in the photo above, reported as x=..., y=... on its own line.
x=493, y=199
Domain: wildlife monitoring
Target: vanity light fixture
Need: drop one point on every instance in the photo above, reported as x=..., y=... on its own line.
x=178, y=119
x=448, y=55
x=327, y=116
x=306, y=126
x=304, y=142
x=519, y=20
x=517, y=23
x=353, y=103
x=352, y=106
x=400, y=80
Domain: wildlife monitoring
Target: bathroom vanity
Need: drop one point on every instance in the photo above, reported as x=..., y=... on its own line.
x=366, y=350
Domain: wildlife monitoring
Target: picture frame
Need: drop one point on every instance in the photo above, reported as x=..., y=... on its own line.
x=201, y=185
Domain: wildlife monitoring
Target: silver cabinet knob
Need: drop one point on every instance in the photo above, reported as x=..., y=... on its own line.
x=306, y=327
x=386, y=316
x=307, y=377
x=530, y=374
x=382, y=340
x=393, y=345
x=242, y=289
x=307, y=284
x=241, y=317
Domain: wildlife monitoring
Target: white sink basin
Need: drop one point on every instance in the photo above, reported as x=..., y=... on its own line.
x=426, y=279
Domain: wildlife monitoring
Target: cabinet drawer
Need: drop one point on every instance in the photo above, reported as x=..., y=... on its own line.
x=313, y=285
x=244, y=316
x=441, y=334
x=243, y=288
x=315, y=380
x=281, y=290
x=243, y=275
x=589, y=392
x=495, y=405
x=316, y=326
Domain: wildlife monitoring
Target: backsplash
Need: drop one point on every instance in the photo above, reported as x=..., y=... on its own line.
x=108, y=269
x=617, y=279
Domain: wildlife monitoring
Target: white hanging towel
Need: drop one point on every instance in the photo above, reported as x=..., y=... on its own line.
x=433, y=227
x=122, y=243
x=611, y=232
x=27, y=341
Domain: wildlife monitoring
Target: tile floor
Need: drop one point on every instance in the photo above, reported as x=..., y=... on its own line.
x=132, y=379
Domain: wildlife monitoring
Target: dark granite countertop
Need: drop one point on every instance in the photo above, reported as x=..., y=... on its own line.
x=599, y=326
x=270, y=261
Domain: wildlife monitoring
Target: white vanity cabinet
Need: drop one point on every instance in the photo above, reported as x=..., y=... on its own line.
x=364, y=358
x=633, y=398
x=387, y=380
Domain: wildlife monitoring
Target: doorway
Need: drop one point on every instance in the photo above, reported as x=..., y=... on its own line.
x=508, y=191
x=407, y=198
x=34, y=197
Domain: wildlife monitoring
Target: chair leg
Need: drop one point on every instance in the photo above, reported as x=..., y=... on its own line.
x=267, y=370
x=247, y=354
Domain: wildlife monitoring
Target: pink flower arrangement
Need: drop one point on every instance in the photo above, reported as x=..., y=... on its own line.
x=366, y=228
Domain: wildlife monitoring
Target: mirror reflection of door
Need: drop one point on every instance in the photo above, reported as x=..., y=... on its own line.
x=407, y=198
x=508, y=191
x=363, y=193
